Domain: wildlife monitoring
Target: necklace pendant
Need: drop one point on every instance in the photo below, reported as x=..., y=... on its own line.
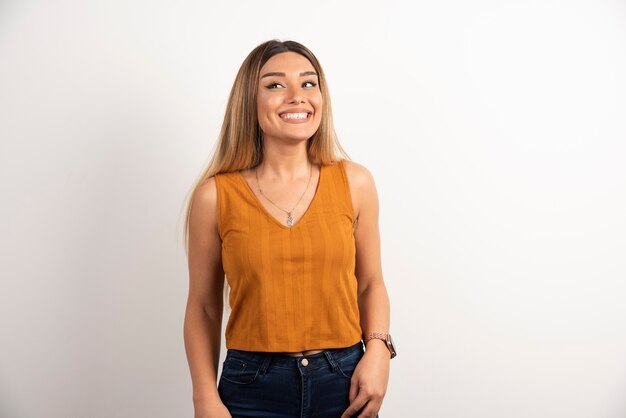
x=289, y=220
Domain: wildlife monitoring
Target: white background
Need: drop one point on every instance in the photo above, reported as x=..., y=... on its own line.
x=494, y=129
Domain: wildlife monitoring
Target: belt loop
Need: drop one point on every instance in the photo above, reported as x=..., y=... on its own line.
x=331, y=359
x=266, y=362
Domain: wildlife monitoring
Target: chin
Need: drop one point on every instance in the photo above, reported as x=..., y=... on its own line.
x=300, y=138
x=294, y=136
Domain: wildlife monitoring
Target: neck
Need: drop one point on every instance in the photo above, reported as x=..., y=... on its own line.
x=284, y=167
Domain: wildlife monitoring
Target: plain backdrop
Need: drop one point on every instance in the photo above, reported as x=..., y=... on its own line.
x=495, y=131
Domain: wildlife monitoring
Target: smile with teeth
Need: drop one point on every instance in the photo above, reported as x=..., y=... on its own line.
x=295, y=115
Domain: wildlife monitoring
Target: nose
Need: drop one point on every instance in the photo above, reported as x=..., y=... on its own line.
x=297, y=97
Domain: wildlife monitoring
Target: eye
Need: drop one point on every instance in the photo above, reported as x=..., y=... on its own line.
x=271, y=86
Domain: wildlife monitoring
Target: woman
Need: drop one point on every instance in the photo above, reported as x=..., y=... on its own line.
x=294, y=230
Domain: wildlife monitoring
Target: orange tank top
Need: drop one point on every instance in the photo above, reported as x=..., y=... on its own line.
x=292, y=288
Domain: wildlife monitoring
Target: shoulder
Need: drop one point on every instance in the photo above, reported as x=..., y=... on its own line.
x=362, y=185
x=206, y=194
x=204, y=204
x=359, y=177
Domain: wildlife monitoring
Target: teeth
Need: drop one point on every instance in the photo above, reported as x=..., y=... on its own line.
x=294, y=115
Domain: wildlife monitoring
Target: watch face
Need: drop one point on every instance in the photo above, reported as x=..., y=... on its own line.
x=393, y=346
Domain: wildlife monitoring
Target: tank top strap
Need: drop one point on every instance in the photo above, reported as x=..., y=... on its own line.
x=337, y=194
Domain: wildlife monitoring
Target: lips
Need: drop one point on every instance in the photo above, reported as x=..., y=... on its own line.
x=295, y=115
x=296, y=110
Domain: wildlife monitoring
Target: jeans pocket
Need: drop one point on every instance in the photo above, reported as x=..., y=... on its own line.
x=347, y=364
x=240, y=371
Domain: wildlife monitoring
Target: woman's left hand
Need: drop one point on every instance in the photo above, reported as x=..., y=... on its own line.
x=368, y=384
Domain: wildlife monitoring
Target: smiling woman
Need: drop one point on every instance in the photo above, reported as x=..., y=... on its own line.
x=274, y=217
x=289, y=102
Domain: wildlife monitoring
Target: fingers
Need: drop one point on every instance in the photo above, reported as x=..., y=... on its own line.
x=363, y=400
x=354, y=390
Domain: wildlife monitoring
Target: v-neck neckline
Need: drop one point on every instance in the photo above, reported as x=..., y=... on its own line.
x=269, y=215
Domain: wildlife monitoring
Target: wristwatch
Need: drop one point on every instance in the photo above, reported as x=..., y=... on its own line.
x=385, y=337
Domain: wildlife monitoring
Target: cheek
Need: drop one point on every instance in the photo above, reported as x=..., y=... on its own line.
x=318, y=105
x=268, y=105
x=317, y=102
x=265, y=108
x=261, y=104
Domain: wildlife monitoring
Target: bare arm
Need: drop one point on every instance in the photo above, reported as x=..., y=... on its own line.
x=369, y=380
x=372, y=293
x=203, y=315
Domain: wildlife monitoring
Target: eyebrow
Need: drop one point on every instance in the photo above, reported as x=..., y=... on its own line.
x=278, y=74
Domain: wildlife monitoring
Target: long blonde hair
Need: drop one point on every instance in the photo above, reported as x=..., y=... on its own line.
x=240, y=142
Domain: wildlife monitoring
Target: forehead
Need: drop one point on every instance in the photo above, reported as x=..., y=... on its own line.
x=287, y=62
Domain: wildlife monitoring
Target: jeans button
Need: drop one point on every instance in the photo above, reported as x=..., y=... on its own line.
x=305, y=362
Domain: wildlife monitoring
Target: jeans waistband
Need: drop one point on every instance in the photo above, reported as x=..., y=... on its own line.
x=330, y=355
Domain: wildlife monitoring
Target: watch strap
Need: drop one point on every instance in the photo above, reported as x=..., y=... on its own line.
x=381, y=336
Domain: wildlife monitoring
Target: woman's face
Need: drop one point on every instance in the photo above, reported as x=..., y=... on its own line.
x=288, y=90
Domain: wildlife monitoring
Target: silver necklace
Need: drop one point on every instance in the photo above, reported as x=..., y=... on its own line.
x=289, y=217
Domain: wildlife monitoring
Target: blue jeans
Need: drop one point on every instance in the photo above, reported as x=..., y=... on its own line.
x=271, y=385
